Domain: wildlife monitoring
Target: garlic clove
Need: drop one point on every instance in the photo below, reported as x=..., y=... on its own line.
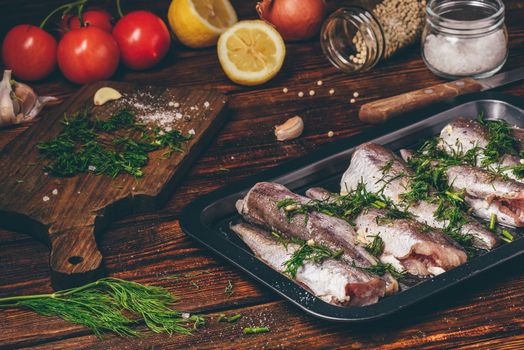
x=26, y=97
x=291, y=129
x=9, y=106
x=41, y=101
x=106, y=94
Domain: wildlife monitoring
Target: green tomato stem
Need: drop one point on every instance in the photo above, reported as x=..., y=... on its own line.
x=80, y=10
x=119, y=9
x=64, y=8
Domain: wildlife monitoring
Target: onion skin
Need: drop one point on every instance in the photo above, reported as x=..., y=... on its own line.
x=295, y=20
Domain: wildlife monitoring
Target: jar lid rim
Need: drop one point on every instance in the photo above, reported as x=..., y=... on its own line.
x=454, y=22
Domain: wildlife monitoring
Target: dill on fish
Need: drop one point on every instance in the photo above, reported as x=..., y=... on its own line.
x=500, y=142
x=347, y=206
x=98, y=146
x=111, y=304
x=506, y=236
x=381, y=269
x=315, y=253
x=429, y=182
x=376, y=246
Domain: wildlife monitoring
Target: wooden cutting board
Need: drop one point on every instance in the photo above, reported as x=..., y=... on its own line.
x=67, y=213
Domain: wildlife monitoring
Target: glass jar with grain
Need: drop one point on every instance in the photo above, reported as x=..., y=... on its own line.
x=362, y=32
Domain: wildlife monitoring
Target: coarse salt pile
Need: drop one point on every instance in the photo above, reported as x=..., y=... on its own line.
x=456, y=56
x=166, y=115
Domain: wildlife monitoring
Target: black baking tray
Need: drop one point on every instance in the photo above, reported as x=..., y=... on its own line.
x=207, y=219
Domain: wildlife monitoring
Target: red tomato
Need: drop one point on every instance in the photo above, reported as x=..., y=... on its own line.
x=87, y=54
x=29, y=51
x=143, y=39
x=93, y=17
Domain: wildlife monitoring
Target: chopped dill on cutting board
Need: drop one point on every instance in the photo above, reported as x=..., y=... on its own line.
x=111, y=147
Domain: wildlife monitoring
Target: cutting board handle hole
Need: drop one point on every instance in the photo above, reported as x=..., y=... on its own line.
x=74, y=260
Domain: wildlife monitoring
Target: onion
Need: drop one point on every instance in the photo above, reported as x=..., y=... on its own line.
x=294, y=19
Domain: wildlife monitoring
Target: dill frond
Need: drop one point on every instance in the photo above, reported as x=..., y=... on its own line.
x=104, y=306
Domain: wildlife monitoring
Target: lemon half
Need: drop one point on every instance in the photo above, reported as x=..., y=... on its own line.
x=251, y=52
x=199, y=23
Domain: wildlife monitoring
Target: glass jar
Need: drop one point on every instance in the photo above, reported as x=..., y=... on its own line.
x=464, y=38
x=361, y=33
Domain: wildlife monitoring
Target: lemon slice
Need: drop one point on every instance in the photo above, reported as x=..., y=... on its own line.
x=251, y=52
x=199, y=23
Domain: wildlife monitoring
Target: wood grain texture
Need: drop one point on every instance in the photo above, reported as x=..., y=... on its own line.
x=79, y=207
x=380, y=111
x=487, y=313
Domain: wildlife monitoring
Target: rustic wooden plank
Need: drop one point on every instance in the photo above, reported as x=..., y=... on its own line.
x=487, y=314
x=429, y=326
x=155, y=253
x=166, y=251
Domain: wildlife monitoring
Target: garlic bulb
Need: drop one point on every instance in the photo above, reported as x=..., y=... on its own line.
x=21, y=104
x=9, y=106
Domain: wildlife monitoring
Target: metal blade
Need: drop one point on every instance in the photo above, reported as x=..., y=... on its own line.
x=502, y=79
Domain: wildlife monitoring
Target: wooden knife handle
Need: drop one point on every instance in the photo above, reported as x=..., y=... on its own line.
x=380, y=111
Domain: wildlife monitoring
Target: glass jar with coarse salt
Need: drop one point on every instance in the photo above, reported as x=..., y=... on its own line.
x=362, y=32
x=464, y=38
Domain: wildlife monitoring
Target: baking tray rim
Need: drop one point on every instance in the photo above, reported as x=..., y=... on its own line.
x=192, y=224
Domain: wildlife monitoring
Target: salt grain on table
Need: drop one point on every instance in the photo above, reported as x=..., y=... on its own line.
x=55, y=192
x=45, y=198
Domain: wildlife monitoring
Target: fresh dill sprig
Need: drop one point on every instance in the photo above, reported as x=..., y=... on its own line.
x=122, y=119
x=501, y=140
x=315, y=253
x=492, y=222
x=229, y=319
x=506, y=236
x=381, y=269
x=347, y=206
x=111, y=304
x=376, y=246
x=255, y=330
x=518, y=170
x=429, y=182
x=229, y=288
x=387, y=167
x=92, y=145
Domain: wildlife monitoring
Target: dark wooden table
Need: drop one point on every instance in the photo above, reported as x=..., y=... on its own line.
x=487, y=312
